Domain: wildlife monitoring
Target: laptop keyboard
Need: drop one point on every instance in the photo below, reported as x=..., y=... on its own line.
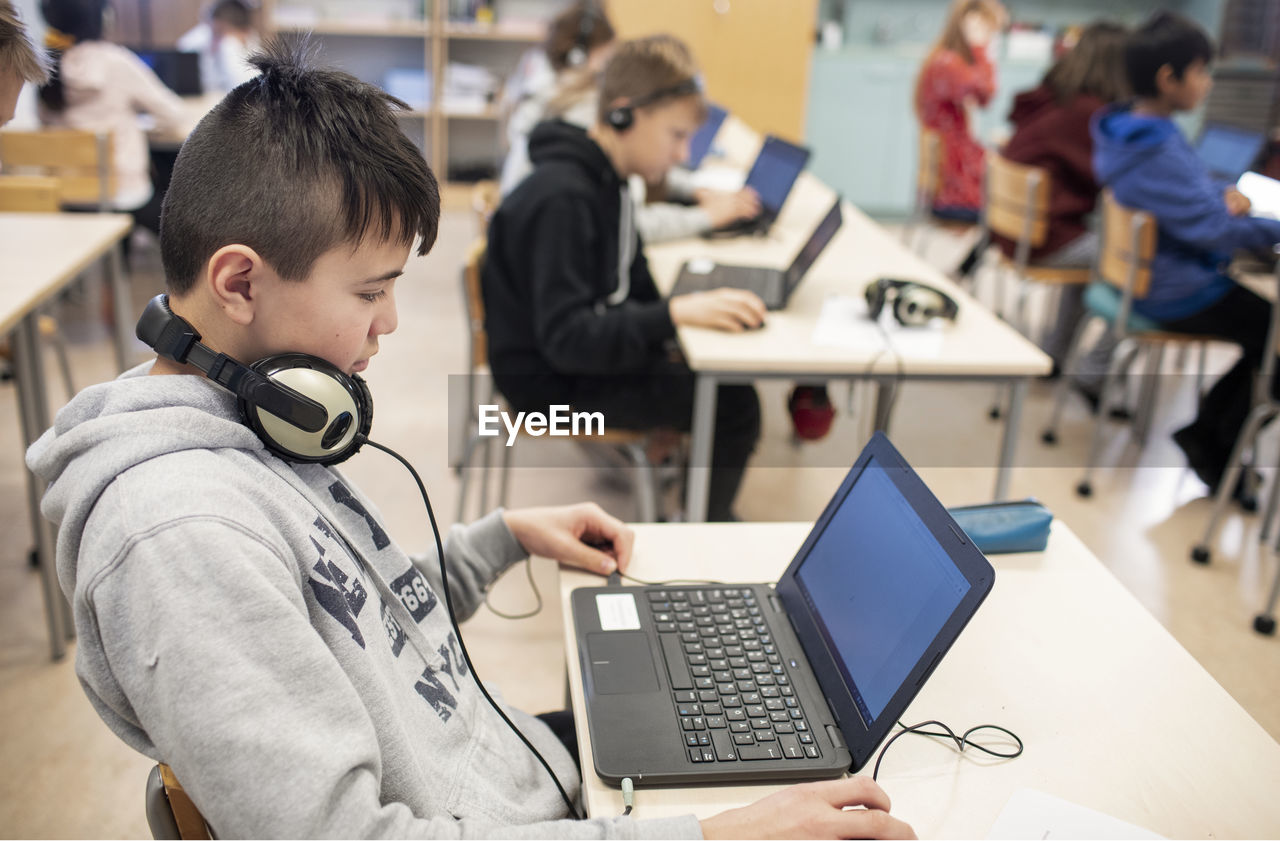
x=731, y=691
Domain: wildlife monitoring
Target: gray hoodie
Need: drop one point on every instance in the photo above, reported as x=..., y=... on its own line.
x=250, y=623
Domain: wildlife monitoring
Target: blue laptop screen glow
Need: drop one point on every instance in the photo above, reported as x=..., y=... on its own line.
x=774, y=172
x=701, y=141
x=880, y=586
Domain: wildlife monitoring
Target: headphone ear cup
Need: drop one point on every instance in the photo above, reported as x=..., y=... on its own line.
x=916, y=304
x=346, y=400
x=621, y=118
x=874, y=293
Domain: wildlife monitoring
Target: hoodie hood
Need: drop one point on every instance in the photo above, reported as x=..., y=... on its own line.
x=1030, y=104
x=1124, y=140
x=123, y=423
x=557, y=141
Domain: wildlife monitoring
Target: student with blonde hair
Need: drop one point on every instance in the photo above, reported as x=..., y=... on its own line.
x=20, y=61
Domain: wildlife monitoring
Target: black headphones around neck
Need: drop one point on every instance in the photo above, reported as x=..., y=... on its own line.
x=622, y=117
x=303, y=408
x=914, y=303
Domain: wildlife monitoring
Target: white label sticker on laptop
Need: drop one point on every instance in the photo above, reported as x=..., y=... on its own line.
x=617, y=612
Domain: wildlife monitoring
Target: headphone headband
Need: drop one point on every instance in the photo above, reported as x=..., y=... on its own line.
x=622, y=117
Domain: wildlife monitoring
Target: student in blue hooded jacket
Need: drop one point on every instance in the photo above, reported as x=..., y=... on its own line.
x=1143, y=157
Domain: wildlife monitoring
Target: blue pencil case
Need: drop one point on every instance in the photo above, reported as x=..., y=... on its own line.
x=1004, y=527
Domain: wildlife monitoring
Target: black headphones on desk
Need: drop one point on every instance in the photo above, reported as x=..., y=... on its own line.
x=914, y=303
x=622, y=117
x=303, y=408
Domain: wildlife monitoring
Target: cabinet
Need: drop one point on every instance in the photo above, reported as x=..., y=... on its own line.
x=405, y=47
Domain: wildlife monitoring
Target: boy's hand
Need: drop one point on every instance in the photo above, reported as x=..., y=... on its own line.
x=1238, y=203
x=733, y=310
x=565, y=534
x=724, y=208
x=813, y=810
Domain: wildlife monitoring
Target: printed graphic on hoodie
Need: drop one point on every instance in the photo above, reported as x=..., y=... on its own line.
x=341, y=601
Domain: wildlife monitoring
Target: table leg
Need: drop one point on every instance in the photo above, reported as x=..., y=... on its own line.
x=883, y=405
x=1017, y=390
x=33, y=413
x=698, y=487
x=122, y=296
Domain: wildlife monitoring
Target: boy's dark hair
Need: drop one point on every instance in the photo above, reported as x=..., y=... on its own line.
x=234, y=13
x=293, y=163
x=1166, y=38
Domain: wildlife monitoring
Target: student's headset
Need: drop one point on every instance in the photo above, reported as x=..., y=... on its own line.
x=914, y=303
x=303, y=408
x=622, y=117
x=588, y=20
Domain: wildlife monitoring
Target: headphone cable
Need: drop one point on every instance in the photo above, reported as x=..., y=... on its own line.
x=448, y=600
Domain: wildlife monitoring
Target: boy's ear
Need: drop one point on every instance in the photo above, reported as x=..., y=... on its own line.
x=234, y=276
x=1165, y=77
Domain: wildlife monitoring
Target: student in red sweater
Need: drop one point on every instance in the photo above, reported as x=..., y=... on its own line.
x=956, y=76
x=1051, y=131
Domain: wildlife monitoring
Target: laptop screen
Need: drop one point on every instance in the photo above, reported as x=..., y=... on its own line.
x=880, y=587
x=775, y=170
x=701, y=141
x=179, y=70
x=818, y=241
x=1228, y=151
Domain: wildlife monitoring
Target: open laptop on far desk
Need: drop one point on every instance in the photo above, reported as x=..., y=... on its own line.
x=1227, y=151
x=751, y=683
x=700, y=143
x=179, y=70
x=774, y=286
x=772, y=175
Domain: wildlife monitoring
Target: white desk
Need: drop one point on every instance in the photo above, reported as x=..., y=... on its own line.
x=1115, y=715
x=979, y=346
x=40, y=253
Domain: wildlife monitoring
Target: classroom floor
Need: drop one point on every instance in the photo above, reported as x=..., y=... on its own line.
x=63, y=774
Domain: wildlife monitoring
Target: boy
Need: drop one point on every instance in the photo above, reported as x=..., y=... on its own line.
x=1142, y=156
x=246, y=619
x=572, y=312
x=20, y=61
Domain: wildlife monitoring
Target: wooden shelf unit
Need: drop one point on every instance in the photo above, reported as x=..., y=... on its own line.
x=435, y=32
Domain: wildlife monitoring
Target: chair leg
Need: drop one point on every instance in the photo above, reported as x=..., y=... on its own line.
x=1200, y=553
x=1000, y=399
x=1074, y=352
x=504, y=479
x=60, y=348
x=646, y=483
x=1265, y=622
x=1273, y=505
x=1148, y=394
x=1124, y=353
x=464, y=475
x=1200, y=369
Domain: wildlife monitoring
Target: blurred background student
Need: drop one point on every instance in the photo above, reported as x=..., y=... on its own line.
x=102, y=87
x=1051, y=131
x=957, y=75
x=224, y=40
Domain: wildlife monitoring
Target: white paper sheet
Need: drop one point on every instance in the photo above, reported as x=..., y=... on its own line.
x=1033, y=814
x=843, y=323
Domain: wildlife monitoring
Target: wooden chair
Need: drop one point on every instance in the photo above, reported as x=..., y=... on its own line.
x=928, y=176
x=80, y=160
x=634, y=444
x=1121, y=276
x=170, y=812
x=485, y=199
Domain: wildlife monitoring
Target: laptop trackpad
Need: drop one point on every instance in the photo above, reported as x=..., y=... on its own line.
x=621, y=662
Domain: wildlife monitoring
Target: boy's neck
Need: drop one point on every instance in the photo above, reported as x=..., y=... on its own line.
x=1153, y=108
x=607, y=140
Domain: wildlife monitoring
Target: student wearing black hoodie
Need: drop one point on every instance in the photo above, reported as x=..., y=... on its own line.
x=572, y=313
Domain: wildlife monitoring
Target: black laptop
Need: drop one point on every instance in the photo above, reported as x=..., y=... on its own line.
x=1228, y=152
x=774, y=286
x=772, y=175
x=800, y=680
x=179, y=70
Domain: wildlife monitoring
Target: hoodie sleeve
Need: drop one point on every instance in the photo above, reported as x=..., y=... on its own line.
x=476, y=555
x=577, y=333
x=1189, y=206
x=243, y=699
x=148, y=94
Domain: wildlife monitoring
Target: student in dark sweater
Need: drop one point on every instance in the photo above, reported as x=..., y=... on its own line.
x=1051, y=131
x=1142, y=156
x=571, y=310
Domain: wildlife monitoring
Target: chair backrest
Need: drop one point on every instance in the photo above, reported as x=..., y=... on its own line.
x=1128, y=246
x=170, y=813
x=80, y=160
x=928, y=165
x=485, y=197
x=474, y=298
x=1017, y=201
x=28, y=194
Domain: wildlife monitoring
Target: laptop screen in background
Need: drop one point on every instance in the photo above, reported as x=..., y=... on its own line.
x=1228, y=152
x=775, y=170
x=822, y=236
x=702, y=139
x=880, y=587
